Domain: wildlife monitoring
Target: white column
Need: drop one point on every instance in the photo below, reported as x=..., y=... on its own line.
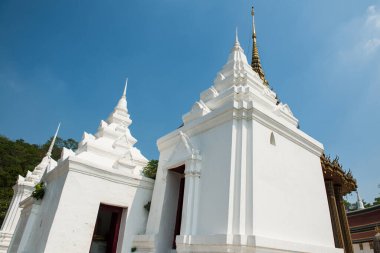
x=187, y=200
x=196, y=201
x=21, y=191
x=191, y=196
x=237, y=189
x=28, y=230
x=249, y=179
x=243, y=177
x=231, y=197
x=24, y=226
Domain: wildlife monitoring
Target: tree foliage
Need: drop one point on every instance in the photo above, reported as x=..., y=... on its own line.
x=39, y=191
x=377, y=201
x=347, y=204
x=17, y=157
x=150, y=170
x=353, y=206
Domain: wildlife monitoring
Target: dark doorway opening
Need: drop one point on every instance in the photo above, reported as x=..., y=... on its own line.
x=106, y=232
x=177, y=228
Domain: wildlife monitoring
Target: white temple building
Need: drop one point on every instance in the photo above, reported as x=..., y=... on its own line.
x=237, y=176
x=95, y=197
x=23, y=189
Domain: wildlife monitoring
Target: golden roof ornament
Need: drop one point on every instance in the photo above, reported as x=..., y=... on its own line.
x=255, y=63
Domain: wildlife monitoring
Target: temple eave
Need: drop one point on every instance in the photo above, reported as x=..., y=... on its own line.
x=333, y=171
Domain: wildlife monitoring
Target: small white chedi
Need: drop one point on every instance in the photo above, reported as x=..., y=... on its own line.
x=23, y=189
x=95, y=197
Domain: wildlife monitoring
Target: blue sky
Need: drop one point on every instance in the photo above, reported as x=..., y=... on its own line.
x=66, y=61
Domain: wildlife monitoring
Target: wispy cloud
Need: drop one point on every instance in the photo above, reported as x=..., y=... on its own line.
x=359, y=39
x=372, y=29
x=355, y=70
x=372, y=45
x=373, y=19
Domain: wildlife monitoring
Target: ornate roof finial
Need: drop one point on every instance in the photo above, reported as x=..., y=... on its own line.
x=236, y=36
x=122, y=104
x=48, y=154
x=255, y=63
x=125, y=88
x=120, y=113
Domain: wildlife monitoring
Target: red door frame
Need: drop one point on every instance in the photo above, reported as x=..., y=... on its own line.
x=117, y=212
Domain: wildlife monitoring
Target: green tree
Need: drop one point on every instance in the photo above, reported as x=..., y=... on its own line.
x=347, y=204
x=376, y=202
x=150, y=170
x=58, y=146
x=17, y=157
x=366, y=204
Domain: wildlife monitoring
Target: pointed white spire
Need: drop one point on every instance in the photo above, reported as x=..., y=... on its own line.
x=237, y=43
x=236, y=37
x=53, y=141
x=46, y=164
x=122, y=104
x=120, y=113
x=359, y=202
x=237, y=53
x=237, y=67
x=125, y=88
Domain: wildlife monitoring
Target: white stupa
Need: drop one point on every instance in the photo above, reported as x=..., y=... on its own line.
x=23, y=189
x=239, y=176
x=95, y=197
x=359, y=202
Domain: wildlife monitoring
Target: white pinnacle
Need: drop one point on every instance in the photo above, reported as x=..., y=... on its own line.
x=120, y=113
x=236, y=36
x=125, y=88
x=359, y=202
x=237, y=43
x=48, y=154
x=122, y=104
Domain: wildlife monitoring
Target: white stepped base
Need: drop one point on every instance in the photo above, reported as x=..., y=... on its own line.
x=246, y=243
x=5, y=240
x=231, y=243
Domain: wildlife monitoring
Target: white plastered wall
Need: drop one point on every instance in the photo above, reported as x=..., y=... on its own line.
x=70, y=206
x=215, y=149
x=289, y=199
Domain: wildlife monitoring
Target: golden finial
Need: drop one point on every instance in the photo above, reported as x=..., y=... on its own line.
x=255, y=62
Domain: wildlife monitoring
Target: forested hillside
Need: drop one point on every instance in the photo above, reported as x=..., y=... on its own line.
x=17, y=157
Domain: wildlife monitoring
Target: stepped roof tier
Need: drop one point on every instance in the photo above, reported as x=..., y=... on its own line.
x=238, y=79
x=113, y=145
